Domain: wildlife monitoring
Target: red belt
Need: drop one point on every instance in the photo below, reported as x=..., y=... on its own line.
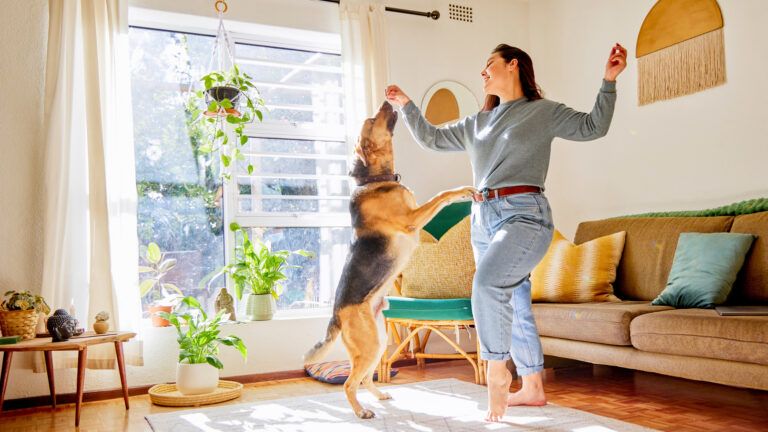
x=487, y=194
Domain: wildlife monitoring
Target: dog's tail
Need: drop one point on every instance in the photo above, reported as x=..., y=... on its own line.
x=321, y=348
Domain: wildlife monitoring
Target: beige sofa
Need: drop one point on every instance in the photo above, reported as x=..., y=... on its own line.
x=696, y=344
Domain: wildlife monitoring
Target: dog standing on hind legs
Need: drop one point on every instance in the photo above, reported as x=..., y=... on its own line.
x=386, y=221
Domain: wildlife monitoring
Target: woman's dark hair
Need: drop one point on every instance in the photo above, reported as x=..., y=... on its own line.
x=531, y=91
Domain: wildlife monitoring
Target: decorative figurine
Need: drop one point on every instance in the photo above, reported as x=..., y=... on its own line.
x=101, y=325
x=61, y=326
x=225, y=302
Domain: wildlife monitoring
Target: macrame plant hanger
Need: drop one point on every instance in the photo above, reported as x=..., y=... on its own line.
x=223, y=55
x=680, y=49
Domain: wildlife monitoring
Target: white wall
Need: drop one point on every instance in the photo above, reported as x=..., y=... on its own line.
x=699, y=151
x=422, y=52
x=23, y=26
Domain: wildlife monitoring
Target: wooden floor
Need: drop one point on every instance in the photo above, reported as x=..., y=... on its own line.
x=651, y=400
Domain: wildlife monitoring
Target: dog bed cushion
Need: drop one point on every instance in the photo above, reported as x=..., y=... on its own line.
x=429, y=309
x=335, y=372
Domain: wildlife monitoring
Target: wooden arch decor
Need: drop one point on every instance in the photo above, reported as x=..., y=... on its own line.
x=680, y=49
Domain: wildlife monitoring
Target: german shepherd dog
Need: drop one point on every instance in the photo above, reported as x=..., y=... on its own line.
x=386, y=220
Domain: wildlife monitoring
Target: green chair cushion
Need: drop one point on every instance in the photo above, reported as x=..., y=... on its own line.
x=447, y=218
x=429, y=309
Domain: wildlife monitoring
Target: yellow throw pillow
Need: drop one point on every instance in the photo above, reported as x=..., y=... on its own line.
x=578, y=274
x=441, y=269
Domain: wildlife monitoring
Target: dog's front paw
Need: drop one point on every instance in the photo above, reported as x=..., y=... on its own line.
x=385, y=396
x=465, y=192
x=366, y=414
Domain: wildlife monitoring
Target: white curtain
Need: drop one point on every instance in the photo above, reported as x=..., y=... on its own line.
x=365, y=60
x=90, y=247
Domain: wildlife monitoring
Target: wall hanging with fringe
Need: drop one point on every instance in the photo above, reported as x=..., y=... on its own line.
x=680, y=49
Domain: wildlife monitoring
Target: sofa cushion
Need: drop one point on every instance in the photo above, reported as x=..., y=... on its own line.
x=751, y=285
x=577, y=274
x=604, y=322
x=704, y=269
x=702, y=333
x=649, y=248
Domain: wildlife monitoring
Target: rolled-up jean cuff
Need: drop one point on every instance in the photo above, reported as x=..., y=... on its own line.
x=485, y=355
x=529, y=370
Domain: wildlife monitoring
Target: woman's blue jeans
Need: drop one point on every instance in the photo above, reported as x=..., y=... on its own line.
x=510, y=235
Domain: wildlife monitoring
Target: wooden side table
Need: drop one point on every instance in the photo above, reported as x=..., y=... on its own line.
x=79, y=344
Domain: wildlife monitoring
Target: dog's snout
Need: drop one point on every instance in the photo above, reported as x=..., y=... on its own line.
x=386, y=106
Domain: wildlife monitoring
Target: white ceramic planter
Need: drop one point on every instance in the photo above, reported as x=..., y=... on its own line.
x=260, y=307
x=199, y=378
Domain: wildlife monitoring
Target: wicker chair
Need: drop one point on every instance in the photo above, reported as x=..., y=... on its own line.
x=420, y=319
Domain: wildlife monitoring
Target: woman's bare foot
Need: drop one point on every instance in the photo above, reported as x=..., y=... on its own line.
x=532, y=392
x=499, y=380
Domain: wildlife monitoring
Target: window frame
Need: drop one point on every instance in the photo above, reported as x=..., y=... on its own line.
x=277, y=37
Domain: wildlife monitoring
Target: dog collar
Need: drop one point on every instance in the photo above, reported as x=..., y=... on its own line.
x=379, y=178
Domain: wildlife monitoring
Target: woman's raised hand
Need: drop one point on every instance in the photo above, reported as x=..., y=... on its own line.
x=396, y=96
x=617, y=61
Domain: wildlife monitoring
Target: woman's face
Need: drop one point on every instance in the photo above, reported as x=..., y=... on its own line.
x=498, y=74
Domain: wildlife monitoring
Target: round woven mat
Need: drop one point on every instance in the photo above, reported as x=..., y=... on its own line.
x=168, y=395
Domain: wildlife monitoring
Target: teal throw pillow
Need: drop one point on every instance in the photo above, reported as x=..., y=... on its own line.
x=704, y=269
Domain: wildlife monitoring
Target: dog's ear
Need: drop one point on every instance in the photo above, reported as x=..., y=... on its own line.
x=360, y=152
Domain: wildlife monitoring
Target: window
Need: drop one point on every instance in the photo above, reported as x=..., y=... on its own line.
x=298, y=194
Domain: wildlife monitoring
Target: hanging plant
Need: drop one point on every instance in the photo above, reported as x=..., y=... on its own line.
x=227, y=102
x=229, y=98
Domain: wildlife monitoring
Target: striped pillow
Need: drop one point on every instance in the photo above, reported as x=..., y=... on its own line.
x=578, y=274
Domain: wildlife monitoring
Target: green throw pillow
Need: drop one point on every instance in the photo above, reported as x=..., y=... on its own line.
x=704, y=269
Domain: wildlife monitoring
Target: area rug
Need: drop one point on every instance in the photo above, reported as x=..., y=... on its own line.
x=431, y=406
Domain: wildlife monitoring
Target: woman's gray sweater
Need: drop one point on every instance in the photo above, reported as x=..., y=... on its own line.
x=510, y=145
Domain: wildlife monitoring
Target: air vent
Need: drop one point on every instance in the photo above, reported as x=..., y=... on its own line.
x=460, y=13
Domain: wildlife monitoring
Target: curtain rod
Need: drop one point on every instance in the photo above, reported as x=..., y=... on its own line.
x=434, y=14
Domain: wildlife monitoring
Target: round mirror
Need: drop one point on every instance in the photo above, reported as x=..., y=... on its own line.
x=447, y=102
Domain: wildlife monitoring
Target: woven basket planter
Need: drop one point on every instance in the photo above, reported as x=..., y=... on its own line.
x=21, y=323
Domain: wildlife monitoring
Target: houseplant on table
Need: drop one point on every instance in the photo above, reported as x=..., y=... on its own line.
x=199, y=339
x=259, y=272
x=166, y=295
x=19, y=313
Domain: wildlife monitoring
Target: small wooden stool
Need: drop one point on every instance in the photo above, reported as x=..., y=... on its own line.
x=414, y=326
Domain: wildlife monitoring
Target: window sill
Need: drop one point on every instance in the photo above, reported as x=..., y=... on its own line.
x=287, y=315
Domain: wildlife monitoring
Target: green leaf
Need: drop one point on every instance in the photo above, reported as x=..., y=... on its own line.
x=250, y=169
x=153, y=253
x=166, y=265
x=259, y=115
x=213, y=106
x=225, y=160
x=233, y=120
x=226, y=103
x=243, y=139
x=170, y=286
x=145, y=269
x=234, y=226
x=205, y=148
x=146, y=286
x=213, y=361
x=191, y=302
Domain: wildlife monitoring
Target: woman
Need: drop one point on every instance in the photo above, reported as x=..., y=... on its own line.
x=509, y=145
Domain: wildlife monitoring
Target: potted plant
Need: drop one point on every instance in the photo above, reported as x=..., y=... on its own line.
x=259, y=271
x=166, y=295
x=228, y=97
x=198, y=336
x=19, y=313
